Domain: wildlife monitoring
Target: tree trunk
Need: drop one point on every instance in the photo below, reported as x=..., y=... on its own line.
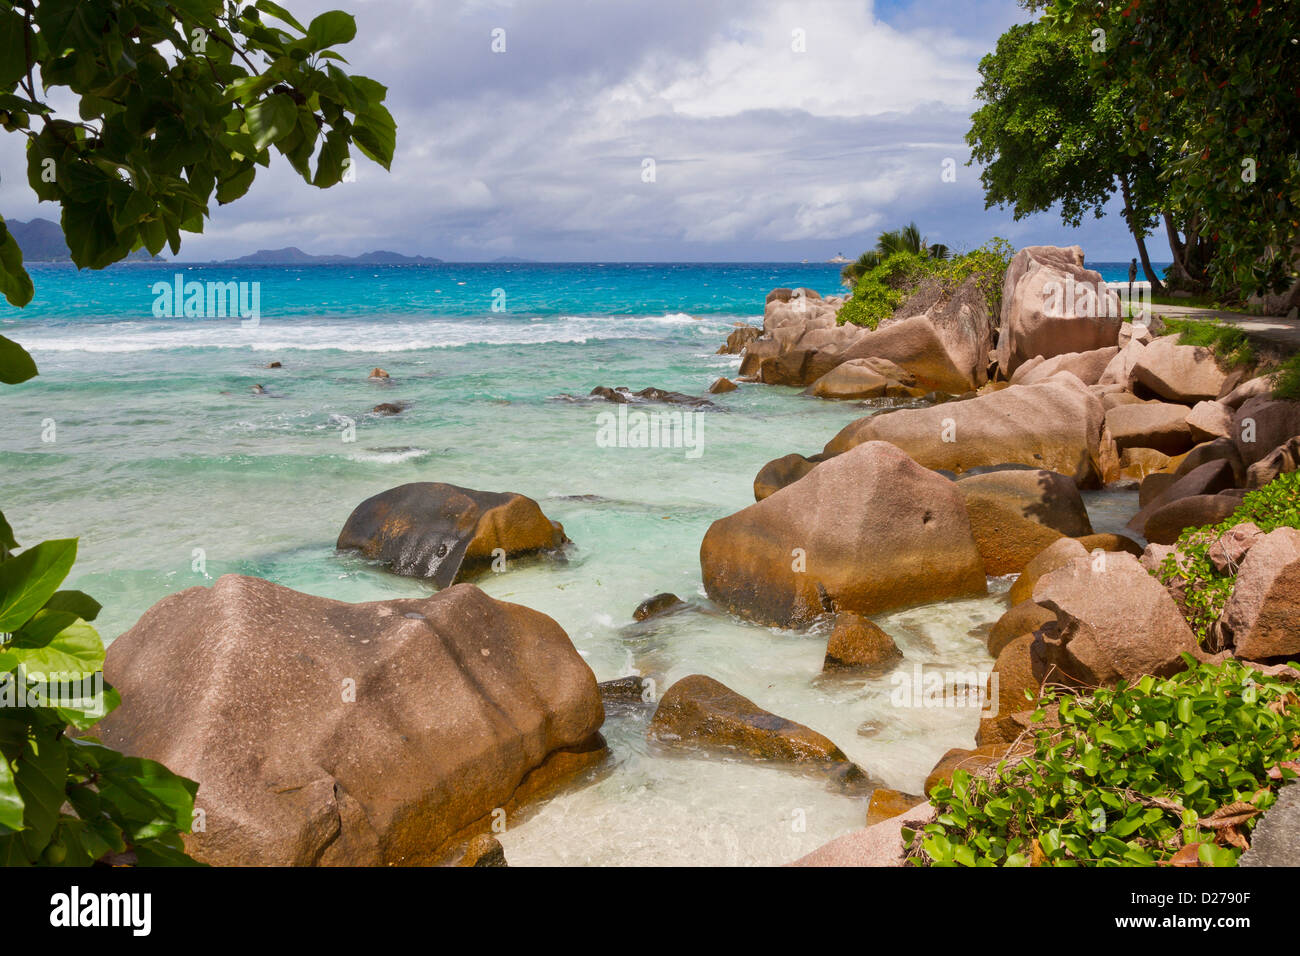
x=1157, y=288
x=1180, y=274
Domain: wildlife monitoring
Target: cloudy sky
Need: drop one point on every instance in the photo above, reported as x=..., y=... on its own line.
x=761, y=151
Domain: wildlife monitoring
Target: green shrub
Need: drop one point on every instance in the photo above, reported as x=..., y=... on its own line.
x=1286, y=379
x=1231, y=345
x=68, y=800
x=881, y=290
x=1205, y=590
x=1129, y=778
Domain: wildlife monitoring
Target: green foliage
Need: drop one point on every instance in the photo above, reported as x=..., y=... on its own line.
x=1231, y=345
x=1046, y=135
x=1129, y=778
x=179, y=103
x=906, y=239
x=988, y=264
x=1286, y=379
x=1215, y=83
x=65, y=800
x=1205, y=591
x=882, y=289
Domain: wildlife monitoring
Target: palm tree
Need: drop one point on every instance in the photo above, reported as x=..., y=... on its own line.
x=907, y=239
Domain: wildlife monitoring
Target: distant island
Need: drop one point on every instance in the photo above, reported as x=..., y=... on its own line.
x=292, y=255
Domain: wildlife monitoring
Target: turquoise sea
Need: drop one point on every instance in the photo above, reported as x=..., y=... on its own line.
x=144, y=436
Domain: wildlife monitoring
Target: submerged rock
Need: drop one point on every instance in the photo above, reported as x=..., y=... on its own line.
x=722, y=385
x=624, y=396
x=484, y=850
x=702, y=712
x=325, y=733
x=658, y=604
x=438, y=531
x=856, y=643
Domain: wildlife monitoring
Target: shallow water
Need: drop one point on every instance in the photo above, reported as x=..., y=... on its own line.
x=173, y=472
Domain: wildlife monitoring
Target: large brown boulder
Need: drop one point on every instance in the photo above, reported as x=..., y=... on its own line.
x=1158, y=425
x=1166, y=523
x=438, y=531
x=1262, y=424
x=738, y=338
x=1119, y=369
x=349, y=734
x=1282, y=460
x=866, y=531
x=966, y=330
x=1210, y=420
x=864, y=378
x=1207, y=479
x=1059, y=553
x=1055, y=425
x=917, y=345
x=1086, y=366
x=1113, y=621
x=1015, y=514
x=701, y=712
x=1262, y=618
x=1046, y=298
x=1177, y=373
x=1023, y=618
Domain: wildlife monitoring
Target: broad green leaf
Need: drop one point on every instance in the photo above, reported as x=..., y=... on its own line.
x=331, y=28
x=7, y=542
x=271, y=119
x=76, y=602
x=29, y=579
x=50, y=645
x=40, y=776
x=11, y=801
x=280, y=13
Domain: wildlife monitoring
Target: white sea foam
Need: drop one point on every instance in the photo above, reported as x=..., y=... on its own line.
x=281, y=335
x=389, y=456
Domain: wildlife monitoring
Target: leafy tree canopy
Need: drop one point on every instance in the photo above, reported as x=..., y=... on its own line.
x=178, y=103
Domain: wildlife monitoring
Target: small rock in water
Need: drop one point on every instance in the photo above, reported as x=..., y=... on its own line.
x=387, y=408
x=378, y=373
x=656, y=605
x=273, y=365
x=484, y=850
x=622, y=690
x=721, y=385
x=857, y=642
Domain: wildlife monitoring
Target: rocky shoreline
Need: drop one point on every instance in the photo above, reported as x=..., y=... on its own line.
x=391, y=732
